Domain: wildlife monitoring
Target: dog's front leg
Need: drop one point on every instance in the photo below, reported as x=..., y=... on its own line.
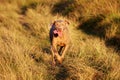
x=64, y=51
x=55, y=54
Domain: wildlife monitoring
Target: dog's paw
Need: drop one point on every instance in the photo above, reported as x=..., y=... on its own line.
x=60, y=60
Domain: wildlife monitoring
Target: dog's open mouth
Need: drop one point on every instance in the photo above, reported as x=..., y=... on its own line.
x=59, y=32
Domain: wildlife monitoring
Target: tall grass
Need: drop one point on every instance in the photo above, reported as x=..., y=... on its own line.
x=24, y=40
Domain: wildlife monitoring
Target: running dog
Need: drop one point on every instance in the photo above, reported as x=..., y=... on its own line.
x=59, y=36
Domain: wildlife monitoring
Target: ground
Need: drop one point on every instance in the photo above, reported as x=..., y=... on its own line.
x=24, y=40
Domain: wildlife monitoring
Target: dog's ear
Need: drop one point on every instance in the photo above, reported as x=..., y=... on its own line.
x=52, y=24
x=66, y=22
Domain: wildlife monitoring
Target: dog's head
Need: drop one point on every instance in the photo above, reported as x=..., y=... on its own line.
x=60, y=25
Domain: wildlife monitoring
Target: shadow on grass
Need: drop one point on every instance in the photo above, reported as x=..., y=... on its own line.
x=46, y=50
x=92, y=26
x=97, y=27
x=59, y=72
x=64, y=7
x=24, y=8
x=114, y=42
x=62, y=74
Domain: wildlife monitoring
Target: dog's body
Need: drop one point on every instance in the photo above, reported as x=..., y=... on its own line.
x=59, y=36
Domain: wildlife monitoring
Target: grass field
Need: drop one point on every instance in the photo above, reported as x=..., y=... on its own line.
x=24, y=39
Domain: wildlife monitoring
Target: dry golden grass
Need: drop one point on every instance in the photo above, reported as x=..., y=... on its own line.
x=24, y=40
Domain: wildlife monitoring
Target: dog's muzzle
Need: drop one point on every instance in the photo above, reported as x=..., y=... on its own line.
x=58, y=32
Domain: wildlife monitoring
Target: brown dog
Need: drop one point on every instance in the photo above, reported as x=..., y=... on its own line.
x=59, y=36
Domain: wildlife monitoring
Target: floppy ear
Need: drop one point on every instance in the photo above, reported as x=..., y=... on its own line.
x=52, y=24
x=66, y=22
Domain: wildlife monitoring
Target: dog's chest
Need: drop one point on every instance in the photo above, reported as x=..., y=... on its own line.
x=60, y=41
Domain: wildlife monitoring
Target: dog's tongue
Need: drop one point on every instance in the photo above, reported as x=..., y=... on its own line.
x=58, y=32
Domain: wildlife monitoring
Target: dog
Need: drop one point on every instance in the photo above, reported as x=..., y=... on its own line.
x=59, y=36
